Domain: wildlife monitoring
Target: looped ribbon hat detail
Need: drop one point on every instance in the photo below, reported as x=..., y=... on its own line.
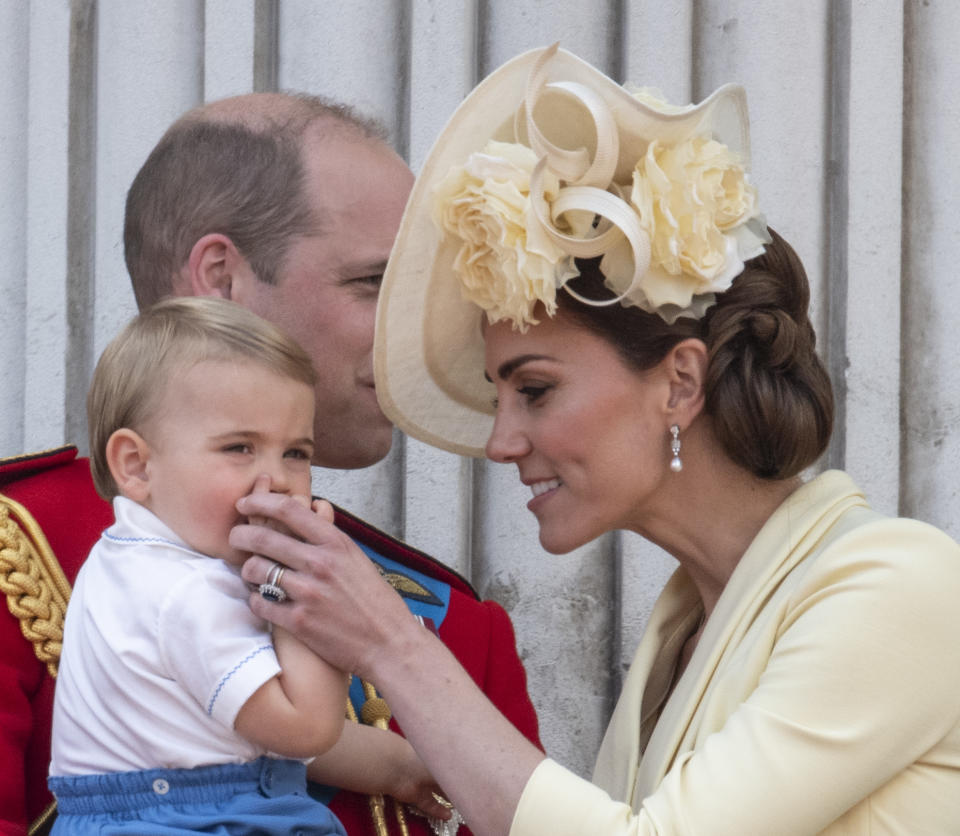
x=545, y=162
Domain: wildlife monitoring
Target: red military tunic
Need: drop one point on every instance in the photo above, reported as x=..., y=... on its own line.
x=55, y=490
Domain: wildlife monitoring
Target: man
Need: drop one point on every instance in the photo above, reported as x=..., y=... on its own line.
x=289, y=205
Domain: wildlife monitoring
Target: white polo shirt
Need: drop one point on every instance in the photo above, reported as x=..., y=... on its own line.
x=160, y=651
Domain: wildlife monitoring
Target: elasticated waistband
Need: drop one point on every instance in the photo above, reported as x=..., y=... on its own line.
x=123, y=792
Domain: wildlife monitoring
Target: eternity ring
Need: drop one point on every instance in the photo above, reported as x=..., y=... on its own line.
x=271, y=590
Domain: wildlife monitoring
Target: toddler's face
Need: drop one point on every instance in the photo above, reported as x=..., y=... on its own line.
x=220, y=426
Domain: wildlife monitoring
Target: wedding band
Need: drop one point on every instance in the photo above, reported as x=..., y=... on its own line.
x=271, y=590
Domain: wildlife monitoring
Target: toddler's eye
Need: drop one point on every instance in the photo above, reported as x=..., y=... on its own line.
x=238, y=448
x=297, y=454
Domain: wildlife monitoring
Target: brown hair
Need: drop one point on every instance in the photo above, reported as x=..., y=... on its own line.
x=233, y=167
x=133, y=372
x=767, y=392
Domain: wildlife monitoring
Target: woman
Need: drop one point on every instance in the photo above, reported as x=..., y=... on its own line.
x=799, y=672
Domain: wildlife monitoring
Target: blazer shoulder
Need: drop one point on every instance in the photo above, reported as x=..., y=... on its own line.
x=395, y=549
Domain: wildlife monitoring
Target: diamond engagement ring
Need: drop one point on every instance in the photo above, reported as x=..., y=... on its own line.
x=271, y=590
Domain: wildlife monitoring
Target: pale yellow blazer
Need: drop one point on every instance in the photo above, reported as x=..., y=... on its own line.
x=823, y=697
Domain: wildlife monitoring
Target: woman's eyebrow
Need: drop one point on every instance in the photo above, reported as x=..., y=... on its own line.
x=510, y=366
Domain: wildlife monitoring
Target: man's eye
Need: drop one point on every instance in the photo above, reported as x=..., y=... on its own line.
x=372, y=282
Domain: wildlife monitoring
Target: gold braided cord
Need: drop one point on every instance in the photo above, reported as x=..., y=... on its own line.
x=351, y=711
x=401, y=818
x=44, y=821
x=375, y=801
x=31, y=577
x=376, y=712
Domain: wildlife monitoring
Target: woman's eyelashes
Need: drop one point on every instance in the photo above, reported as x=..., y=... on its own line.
x=530, y=392
x=533, y=391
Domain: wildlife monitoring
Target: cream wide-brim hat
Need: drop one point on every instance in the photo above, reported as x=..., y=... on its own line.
x=428, y=349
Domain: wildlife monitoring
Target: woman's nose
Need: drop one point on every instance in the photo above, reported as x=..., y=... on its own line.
x=507, y=443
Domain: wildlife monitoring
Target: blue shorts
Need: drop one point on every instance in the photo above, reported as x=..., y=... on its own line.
x=267, y=796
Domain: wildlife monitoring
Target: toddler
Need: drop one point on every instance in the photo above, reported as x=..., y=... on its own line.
x=176, y=710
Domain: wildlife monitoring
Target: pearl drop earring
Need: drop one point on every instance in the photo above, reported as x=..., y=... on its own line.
x=676, y=465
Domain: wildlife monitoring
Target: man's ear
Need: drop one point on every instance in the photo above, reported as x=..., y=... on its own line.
x=127, y=457
x=215, y=267
x=686, y=365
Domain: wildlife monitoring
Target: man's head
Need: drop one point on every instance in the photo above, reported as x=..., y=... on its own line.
x=288, y=205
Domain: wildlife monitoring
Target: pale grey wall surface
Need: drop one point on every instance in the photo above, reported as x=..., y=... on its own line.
x=856, y=121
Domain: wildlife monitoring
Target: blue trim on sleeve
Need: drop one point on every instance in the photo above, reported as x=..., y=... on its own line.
x=231, y=672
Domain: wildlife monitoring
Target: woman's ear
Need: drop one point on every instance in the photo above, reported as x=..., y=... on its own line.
x=686, y=366
x=127, y=457
x=214, y=267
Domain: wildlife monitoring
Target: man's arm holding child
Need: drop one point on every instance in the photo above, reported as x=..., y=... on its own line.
x=376, y=761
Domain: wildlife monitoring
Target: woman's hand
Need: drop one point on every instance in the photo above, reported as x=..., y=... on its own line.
x=342, y=609
x=338, y=604
x=261, y=485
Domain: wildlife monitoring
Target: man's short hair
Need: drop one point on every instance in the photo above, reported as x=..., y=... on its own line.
x=134, y=372
x=234, y=170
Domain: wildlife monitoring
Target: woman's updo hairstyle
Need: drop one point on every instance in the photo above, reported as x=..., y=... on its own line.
x=767, y=392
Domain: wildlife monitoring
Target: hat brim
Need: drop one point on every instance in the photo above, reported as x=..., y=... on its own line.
x=428, y=348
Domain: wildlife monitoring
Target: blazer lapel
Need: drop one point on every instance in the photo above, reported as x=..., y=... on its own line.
x=792, y=534
x=646, y=685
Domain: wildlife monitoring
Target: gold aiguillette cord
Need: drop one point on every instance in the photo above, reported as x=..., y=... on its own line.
x=376, y=712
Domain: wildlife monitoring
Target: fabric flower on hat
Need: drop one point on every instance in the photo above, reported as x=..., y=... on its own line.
x=505, y=263
x=691, y=198
x=670, y=235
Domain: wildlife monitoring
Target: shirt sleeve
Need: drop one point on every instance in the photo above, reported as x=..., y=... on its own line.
x=861, y=682
x=212, y=643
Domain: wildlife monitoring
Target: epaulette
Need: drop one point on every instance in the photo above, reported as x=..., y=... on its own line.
x=26, y=464
x=31, y=578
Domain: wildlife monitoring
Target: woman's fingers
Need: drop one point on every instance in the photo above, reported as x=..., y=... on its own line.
x=337, y=602
x=295, y=513
x=268, y=542
x=433, y=808
x=261, y=485
x=256, y=569
x=323, y=509
x=285, y=514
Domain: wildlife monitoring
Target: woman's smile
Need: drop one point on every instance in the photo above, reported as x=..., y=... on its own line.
x=542, y=492
x=570, y=413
